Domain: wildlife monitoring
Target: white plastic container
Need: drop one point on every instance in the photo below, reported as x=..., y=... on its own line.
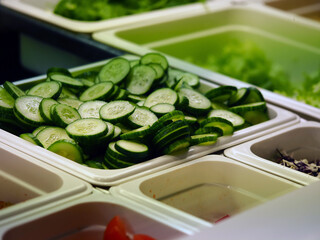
x=288, y=41
x=28, y=184
x=205, y=190
x=279, y=119
x=301, y=141
x=87, y=218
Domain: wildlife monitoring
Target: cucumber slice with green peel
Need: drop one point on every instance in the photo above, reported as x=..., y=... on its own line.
x=6, y=101
x=166, y=119
x=190, y=120
x=136, y=134
x=221, y=94
x=68, y=149
x=48, y=89
x=114, y=94
x=112, y=151
x=198, y=103
x=181, y=84
x=27, y=108
x=177, y=146
x=253, y=113
x=116, y=111
x=160, y=73
x=75, y=103
x=62, y=115
x=239, y=97
x=183, y=102
x=114, y=163
x=161, y=109
x=173, y=76
x=204, y=139
x=99, y=91
x=91, y=109
x=253, y=96
x=122, y=95
x=209, y=129
x=236, y=120
x=49, y=135
x=87, y=129
x=132, y=149
x=189, y=78
x=141, y=117
x=225, y=125
x=58, y=70
x=66, y=81
x=31, y=138
x=134, y=62
x=155, y=58
x=86, y=83
x=140, y=79
x=117, y=132
x=135, y=98
x=116, y=70
x=38, y=129
x=216, y=105
x=257, y=106
x=67, y=93
x=13, y=90
x=45, y=109
x=93, y=164
x=163, y=95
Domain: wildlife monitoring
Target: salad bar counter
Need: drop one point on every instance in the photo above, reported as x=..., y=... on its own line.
x=174, y=127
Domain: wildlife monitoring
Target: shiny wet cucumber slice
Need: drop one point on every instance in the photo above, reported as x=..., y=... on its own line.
x=236, y=120
x=163, y=95
x=141, y=117
x=68, y=149
x=13, y=89
x=115, y=70
x=99, y=91
x=132, y=148
x=225, y=125
x=117, y=110
x=49, y=135
x=48, y=89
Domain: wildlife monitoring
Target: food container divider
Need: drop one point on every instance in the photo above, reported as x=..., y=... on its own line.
x=301, y=141
x=279, y=118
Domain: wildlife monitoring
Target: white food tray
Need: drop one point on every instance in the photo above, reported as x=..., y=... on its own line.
x=43, y=10
x=29, y=184
x=301, y=140
x=203, y=191
x=279, y=118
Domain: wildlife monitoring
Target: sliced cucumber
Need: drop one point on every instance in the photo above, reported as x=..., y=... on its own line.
x=38, y=129
x=239, y=97
x=191, y=79
x=135, y=98
x=178, y=145
x=115, y=70
x=160, y=73
x=198, y=103
x=253, y=113
x=27, y=109
x=225, y=125
x=140, y=79
x=72, y=102
x=254, y=96
x=117, y=132
x=31, y=138
x=68, y=149
x=221, y=94
x=66, y=81
x=155, y=58
x=48, y=89
x=209, y=129
x=161, y=109
x=236, y=120
x=132, y=149
x=99, y=91
x=91, y=109
x=136, y=134
x=114, y=163
x=58, y=70
x=87, y=129
x=116, y=111
x=45, y=107
x=112, y=151
x=142, y=117
x=62, y=115
x=13, y=90
x=6, y=103
x=204, y=139
x=49, y=135
x=163, y=95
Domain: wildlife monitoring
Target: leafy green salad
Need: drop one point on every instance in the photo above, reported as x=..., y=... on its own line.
x=96, y=10
x=247, y=62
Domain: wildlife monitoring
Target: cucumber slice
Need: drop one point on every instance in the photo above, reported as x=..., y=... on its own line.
x=114, y=163
x=27, y=109
x=93, y=164
x=163, y=95
x=204, y=139
x=114, y=93
x=167, y=119
x=68, y=149
x=178, y=145
x=58, y=70
x=209, y=129
x=45, y=109
x=31, y=138
x=48, y=89
x=254, y=96
x=116, y=111
x=99, y=91
x=225, y=125
x=115, y=70
x=173, y=76
x=189, y=78
x=221, y=94
x=38, y=129
x=198, y=103
x=75, y=103
x=112, y=151
x=6, y=102
x=134, y=62
x=142, y=117
x=87, y=129
x=136, y=134
x=135, y=98
x=67, y=93
x=239, y=97
x=62, y=115
x=236, y=120
x=155, y=58
x=161, y=109
x=49, y=135
x=253, y=113
x=122, y=95
x=160, y=73
x=13, y=90
x=66, y=81
x=140, y=79
x=91, y=109
x=132, y=149
x=117, y=132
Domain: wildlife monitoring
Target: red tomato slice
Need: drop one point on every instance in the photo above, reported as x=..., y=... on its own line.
x=142, y=237
x=116, y=230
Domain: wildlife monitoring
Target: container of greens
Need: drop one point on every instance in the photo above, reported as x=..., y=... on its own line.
x=277, y=51
x=89, y=16
x=115, y=120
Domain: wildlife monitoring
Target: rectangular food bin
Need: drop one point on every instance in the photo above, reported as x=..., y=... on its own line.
x=301, y=141
x=87, y=218
x=44, y=11
x=279, y=118
x=206, y=190
x=291, y=44
x=28, y=184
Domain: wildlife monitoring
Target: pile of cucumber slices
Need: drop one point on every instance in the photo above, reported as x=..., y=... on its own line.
x=127, y=112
